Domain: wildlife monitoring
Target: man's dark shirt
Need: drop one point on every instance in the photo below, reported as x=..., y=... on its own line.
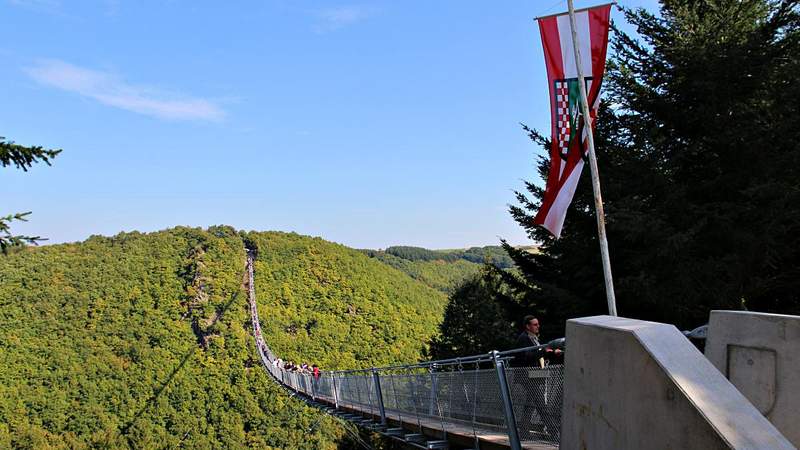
x=530, y=357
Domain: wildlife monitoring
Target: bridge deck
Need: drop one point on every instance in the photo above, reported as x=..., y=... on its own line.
x=460, y=435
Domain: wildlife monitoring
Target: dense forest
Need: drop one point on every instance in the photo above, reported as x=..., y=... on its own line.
x=334, y=306
x=142, y=340
x=444, y=270
x=490, y=254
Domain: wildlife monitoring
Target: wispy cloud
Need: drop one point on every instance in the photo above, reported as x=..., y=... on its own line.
x=333, y=19
x=109, y=89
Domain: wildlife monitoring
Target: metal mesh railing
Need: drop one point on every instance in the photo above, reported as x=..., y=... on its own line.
x=536, y=394
x=484, y=393
x=472, y=397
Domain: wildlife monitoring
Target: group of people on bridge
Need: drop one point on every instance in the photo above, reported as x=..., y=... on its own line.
x=290, y=366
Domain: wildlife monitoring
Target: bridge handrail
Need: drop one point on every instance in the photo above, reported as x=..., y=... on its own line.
x=439, y=363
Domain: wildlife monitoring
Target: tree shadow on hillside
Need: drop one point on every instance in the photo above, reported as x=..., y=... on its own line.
x=123, y=431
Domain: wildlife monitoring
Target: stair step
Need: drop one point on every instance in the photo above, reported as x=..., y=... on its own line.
x=437, y=444
x=416, y=437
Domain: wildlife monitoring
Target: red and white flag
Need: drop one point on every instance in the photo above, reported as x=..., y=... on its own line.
x=568, y=151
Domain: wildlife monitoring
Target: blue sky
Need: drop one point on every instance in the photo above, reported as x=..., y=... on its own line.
x=370, y=124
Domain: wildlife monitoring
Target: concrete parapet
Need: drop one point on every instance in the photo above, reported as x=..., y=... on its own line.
x=631, y=384
x=760, y=354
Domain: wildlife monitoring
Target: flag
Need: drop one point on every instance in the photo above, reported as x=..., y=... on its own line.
x=569, y=146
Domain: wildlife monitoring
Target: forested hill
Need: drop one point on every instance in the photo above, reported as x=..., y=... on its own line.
x=444, y=270
x=492, y=254
x=141, y=340
x=334, y=306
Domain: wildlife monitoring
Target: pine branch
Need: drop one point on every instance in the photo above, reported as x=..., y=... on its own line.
x=24, y=157
x=8, y=240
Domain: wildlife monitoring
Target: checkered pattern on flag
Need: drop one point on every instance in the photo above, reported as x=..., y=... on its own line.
x=568, y=150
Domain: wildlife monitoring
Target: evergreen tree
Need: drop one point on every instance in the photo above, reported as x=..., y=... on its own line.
x=697, y=144
x=478, y=318
x=22, y=158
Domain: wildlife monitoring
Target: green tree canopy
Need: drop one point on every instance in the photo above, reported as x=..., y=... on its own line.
x=145, y=340
x=478, y=318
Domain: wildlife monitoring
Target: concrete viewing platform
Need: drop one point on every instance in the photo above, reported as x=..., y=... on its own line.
x=632, y=384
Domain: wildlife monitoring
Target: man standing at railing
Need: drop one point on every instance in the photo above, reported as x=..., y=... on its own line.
x=530, y=383
x=530, y=338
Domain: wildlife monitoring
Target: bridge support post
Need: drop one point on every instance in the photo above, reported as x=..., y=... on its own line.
x=335, y=391
x=377, y=379
x=508, y=407
x=313, y=382
x=432, y=409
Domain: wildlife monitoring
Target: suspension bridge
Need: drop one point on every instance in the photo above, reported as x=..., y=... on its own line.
x=477, y=402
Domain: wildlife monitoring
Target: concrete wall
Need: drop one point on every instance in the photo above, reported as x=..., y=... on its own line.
x=635, y=385
x=760, y=355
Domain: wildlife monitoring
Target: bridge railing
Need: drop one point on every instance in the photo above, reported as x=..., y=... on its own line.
x=480, y=394
x=470, y=393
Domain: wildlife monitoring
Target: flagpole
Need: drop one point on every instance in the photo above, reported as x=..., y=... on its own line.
x=598, y=198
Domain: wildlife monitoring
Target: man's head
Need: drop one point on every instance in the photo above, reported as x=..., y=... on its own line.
x=531, y=325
